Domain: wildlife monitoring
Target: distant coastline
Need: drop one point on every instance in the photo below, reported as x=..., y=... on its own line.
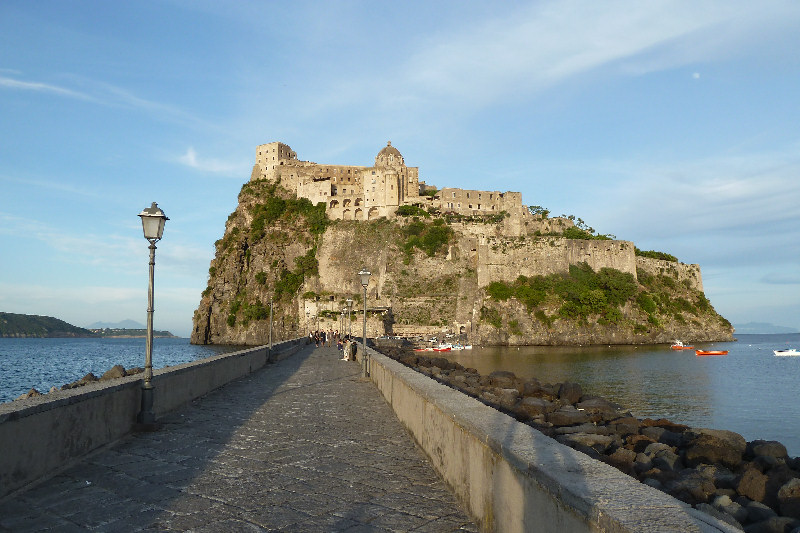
x=19, y=326
x=114, y=333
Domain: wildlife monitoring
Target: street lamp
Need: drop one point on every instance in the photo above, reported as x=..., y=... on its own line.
x=364, y=275
x=269, y=353
x=153, y=220
x=349, y=310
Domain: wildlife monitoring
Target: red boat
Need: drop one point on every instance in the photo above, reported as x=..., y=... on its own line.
x=678, y=345
x=711, y=352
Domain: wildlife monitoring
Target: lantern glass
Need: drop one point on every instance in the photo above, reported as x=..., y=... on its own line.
x=365, y=274
x=153, y=221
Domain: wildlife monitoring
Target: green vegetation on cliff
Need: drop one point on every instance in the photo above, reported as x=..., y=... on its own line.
x=271, y=207
x=428, y=237
x=582, y=296
x=18, y=325
x=652, y=254
x=581, y=293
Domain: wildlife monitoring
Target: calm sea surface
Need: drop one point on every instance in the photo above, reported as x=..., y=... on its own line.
x=749, y=391
x=45, y=363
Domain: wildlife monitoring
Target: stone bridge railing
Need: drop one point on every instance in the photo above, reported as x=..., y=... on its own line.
x=512, y=478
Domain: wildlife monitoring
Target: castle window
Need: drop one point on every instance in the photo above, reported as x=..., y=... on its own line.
x=470, y=206
x=454, y=195
x=479, y=206
x=468, y=197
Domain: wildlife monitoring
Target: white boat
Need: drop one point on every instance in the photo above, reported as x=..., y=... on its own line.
x=790, y=351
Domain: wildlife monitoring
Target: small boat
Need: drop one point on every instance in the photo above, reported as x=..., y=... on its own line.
x=678, y=345
x=443, y=348
x=790, y=351
x=423, y=349
x=711, y=352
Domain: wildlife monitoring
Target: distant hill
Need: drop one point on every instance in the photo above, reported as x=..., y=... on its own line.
x=763, y=328
x=128, y=332
x=17, y=325
x=125, y=324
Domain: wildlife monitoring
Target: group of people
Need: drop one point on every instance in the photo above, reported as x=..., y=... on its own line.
x=346, y=344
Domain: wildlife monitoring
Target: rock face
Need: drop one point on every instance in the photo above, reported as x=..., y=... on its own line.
x=754, y=486
x=280, y=249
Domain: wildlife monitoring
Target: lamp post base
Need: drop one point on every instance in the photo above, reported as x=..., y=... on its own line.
x=146, y=419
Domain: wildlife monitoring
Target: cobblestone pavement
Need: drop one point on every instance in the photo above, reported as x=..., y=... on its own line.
x=302, y=445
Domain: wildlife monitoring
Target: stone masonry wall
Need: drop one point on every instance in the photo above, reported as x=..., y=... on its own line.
x=500, y=259
x=680, y=271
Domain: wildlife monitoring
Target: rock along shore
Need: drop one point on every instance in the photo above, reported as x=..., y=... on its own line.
x=116, y=371
x=751, y=485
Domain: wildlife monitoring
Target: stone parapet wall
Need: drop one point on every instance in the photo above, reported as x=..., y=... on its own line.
x=512, y=478
x=41, y=435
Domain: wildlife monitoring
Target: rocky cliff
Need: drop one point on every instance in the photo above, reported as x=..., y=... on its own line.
x=438, y=275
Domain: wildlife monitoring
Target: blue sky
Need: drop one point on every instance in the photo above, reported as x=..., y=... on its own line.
x=671, y=124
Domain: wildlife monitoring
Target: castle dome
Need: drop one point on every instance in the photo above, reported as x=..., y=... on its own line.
x=389, y=156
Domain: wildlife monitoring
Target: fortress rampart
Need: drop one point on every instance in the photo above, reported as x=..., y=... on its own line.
x=502, y=259
x=683, y=273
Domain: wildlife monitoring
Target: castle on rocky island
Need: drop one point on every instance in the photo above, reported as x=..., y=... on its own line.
x=367, y=193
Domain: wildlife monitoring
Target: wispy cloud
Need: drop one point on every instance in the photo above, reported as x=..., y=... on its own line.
x=542, y=45
x=11, y=83
x=210, y=164
x=533, y=48
x=115, y=253
x=100, y=93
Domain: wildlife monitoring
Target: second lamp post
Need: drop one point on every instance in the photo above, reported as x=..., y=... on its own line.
x=364, y=274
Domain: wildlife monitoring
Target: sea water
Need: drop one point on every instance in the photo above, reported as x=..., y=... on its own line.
x=45, y=363
x=749, y=391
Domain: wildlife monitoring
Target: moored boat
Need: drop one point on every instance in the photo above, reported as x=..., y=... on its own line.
x=679, y=345
x=790, y=351
x=711, y=352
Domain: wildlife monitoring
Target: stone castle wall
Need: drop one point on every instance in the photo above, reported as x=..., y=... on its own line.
x=690, y=274
x=503, y=259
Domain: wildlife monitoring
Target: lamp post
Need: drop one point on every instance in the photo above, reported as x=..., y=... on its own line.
x=349, y=310
x=153, y=220
x=269, y=353
x=364, y=275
